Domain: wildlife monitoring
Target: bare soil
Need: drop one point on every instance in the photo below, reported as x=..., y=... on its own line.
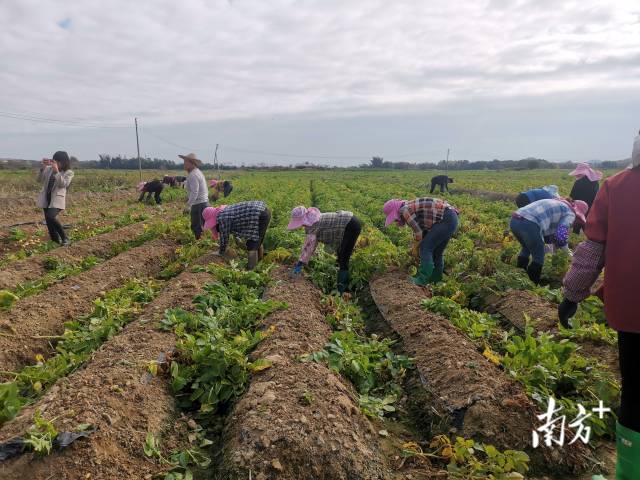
x=273, y=432
x=116, y=395
x=481, y=401
x=23, y=330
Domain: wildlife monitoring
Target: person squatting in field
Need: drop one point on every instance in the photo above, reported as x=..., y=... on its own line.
x=585, y=187
x=339, y=230
x=547, y=192
x=612, y=244
x=220, y=186
x=246, y=220
x=197, y=192
x=154, y=187
x=544, y=221
x=441, y=180
x=55, y=175
x=433, y=222
x=174, y=181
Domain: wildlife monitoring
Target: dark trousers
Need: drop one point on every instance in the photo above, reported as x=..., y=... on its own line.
x=197, y=222
x=529, y=235
x=443, y=187
x=629, y=350
x=156, y=195
x=435, y=241
x=522, y=200
x=351, y=233
x=56, y=231
x=263, y=224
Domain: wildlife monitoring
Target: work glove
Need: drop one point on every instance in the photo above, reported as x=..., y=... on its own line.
x=566, y=310
x=297, y=269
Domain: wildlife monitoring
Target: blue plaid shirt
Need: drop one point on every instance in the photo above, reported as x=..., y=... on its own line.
x=549, y=215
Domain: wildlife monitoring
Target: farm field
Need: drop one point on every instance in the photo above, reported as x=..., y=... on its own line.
x=168, y=362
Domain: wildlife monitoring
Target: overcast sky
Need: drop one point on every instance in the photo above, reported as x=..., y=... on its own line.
x=341, y=79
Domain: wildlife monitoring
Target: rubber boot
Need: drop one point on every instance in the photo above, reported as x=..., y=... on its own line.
x=628, y=447
x=252, y=260
x=535, y=271
x=343, y=281
x=523, y=262
x=424, y=274
x=436, y=276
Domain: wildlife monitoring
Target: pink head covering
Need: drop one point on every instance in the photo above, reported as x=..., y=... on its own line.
x=391, y=210
x=585, y=170
x=581, y=209
x=303, y=217
x=140, y=186
x=213, y=183
x=210, y=216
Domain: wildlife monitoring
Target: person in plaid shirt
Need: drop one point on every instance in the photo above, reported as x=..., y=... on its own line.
x=613, y=237
x=246, y=220
x=339, y=230
x=433, y=222
x=548, y=218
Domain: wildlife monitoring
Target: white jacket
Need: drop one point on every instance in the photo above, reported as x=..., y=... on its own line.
x=59, y=192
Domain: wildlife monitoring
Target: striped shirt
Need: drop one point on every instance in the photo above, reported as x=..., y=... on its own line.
x=549, y=215
x=422, y=213
x=328, y=230
x=240, y=219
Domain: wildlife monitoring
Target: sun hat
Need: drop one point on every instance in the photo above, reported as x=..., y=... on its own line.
x=581, y=209
x=210, y=217
x=391, y=210
x=585, y=170
x=191, y=158
x=140, y=186
x=213, y=182
x=303, y=217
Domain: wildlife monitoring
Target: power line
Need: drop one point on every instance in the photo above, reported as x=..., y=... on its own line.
x=57, y=121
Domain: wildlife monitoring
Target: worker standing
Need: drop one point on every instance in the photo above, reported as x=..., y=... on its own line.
x=197, y=192
x=339, y=230
x=434, y=222
x=612, y=244
x=585, y=187
x=55, y=175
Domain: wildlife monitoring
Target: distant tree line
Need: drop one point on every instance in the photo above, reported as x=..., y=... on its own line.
x=120, y=162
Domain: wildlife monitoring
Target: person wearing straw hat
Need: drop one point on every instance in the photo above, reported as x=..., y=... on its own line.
x=550, y=218
x=154, y=187
x=339, y=230
x=585, y=187
x=612, y=243
x=535, y=194
x=246, y=220
x=433, y=222
x=197, y=192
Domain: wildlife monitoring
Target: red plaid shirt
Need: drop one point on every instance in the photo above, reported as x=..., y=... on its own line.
x=422, y=213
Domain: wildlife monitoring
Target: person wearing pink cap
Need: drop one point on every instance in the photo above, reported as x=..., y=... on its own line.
x=548, y=218
x=585, y=187
x=613, y=237
x=433, y=222
x=220, y=186
x=339, y=230
x=246, y=220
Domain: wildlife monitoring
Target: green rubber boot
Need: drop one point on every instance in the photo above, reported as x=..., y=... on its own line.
x=436, y=276
x=343, y=281
x=628, y=447
x=424, y=274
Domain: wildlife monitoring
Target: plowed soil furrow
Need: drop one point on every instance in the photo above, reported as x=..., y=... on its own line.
x=115, y=394
x=44, y=314
x=482, y=402
x=100, y=246
x=515, y=306
x=273, y=432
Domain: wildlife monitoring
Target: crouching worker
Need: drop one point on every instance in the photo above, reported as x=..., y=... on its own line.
x=612, y=244
x=246, y=220
x=442, y=181
x=433, y=222
x=220, y=186
x=154, y=187
x=550, y=219
x=545, y=193
x=339, y=230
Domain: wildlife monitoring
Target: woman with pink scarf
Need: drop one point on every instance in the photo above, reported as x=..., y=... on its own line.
x=585, y=187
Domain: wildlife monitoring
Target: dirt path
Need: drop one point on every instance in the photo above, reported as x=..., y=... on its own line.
x=45, y=313
x=114, y=394
x=273, y=432
x=479, y=399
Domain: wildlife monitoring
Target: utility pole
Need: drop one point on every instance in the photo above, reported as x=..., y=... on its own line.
x=215, y=161
x=138, y=145
x=446, y=164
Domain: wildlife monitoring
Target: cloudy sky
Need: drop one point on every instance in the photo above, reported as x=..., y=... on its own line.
x=334, y=81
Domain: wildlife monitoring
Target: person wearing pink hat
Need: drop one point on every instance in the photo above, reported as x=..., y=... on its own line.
x=433, y=222
x=220, y=186
x=246, y=220
x=548, y=218
x=585, y=187
x=147, y=188
x=612, y=243
x=339, y=230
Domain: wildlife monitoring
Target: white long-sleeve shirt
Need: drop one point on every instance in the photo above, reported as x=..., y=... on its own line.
x=196, y=188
